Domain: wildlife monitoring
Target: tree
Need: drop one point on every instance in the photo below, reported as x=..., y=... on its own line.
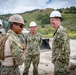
x=45, y=19
x=39, y=17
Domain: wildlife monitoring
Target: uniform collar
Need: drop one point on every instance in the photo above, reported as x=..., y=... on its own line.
x=56, y=30
x=11, y=32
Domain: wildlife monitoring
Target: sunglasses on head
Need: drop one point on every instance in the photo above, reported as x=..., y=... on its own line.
x=20, y=25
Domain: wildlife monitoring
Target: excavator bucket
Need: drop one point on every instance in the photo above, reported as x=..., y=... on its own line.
x=45, y=44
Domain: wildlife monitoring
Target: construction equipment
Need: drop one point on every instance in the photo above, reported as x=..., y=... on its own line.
x=45, y=44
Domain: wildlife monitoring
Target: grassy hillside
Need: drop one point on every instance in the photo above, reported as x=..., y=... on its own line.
x=32, y=15
x=69, y=22
x=41, y=17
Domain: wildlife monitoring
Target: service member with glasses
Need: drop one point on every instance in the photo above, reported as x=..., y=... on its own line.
x=14, y=51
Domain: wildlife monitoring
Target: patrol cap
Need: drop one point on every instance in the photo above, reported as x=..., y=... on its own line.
x=55, y=14
x=16, y=18
x=1, y=22
x=33, y=24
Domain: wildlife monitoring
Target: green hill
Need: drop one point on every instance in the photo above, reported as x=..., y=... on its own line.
x=41, y=17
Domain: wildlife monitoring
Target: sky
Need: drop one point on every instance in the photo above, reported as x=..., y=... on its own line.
x=20, y=6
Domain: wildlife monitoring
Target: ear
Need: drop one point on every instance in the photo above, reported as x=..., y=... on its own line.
x=14, y=26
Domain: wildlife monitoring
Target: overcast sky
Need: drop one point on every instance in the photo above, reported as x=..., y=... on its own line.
x=19, y=6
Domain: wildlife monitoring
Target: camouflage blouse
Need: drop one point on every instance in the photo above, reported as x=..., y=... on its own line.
x=33, y=43
x=60, y=46
x=16, y=47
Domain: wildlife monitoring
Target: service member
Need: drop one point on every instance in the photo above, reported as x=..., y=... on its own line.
x=33, y=41
x=60, y=45
x=14, y=55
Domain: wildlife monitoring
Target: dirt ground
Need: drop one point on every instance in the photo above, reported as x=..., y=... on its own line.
x=46, y=67
x=72, y=72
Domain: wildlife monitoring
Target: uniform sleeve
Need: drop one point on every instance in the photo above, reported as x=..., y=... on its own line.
x=21, y=38
x=40, y=39
x=25, y=38
x=17, y=51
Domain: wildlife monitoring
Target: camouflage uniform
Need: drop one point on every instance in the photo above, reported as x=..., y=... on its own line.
x=21, y=38
x=17, y=52
x=32, y=52
x=60, y=51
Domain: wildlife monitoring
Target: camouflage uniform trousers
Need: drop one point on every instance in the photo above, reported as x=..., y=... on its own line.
x=61, y=68
x=35, y=61
x=9, y=71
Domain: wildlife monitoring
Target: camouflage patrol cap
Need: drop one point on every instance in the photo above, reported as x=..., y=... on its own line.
x=16, y=18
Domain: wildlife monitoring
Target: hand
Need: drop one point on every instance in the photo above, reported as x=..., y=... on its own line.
x=24, y=49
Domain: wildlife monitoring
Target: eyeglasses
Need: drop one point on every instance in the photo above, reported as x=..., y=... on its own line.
x=20, y=25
